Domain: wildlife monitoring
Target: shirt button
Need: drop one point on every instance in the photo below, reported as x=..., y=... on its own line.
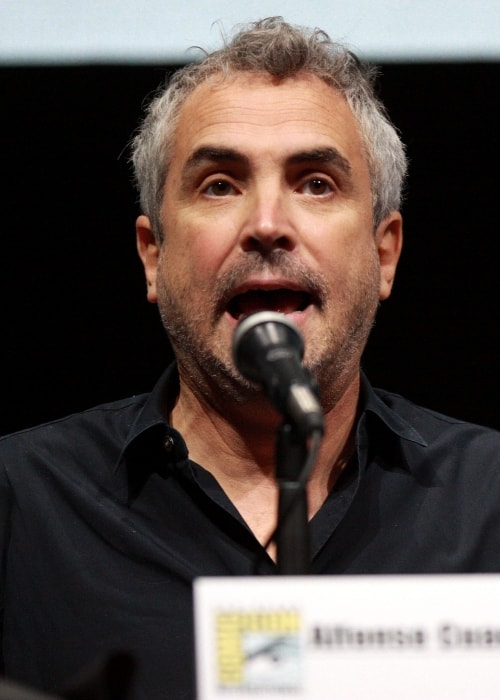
x=169, y=444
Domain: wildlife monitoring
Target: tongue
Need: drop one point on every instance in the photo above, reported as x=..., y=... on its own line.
x=284, y=301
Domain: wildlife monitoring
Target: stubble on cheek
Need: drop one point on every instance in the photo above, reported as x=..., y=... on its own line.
x=188, y=310
x=351, y=309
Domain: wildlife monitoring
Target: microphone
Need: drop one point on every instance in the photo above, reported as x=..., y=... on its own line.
x=268, y=349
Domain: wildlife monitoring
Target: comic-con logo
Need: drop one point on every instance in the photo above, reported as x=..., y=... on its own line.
x=259, y=650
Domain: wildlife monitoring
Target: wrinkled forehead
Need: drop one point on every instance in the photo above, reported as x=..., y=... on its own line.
x=257, y=105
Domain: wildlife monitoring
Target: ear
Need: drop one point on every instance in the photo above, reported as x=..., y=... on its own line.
x=389, y=241
x=149, y=252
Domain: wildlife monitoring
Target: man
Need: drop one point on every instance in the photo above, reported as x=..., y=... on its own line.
x=270, y=179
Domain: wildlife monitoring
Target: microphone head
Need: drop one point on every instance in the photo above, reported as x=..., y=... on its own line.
x=268, y=349
x=260, y=333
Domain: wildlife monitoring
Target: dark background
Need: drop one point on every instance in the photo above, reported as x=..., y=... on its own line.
x=77, y=329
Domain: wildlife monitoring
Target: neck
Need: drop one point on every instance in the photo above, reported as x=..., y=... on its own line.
x=238, y=448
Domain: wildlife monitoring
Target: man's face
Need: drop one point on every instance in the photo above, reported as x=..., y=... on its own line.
x=268, y=205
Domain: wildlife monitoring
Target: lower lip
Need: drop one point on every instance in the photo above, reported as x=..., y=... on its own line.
x=298, y=317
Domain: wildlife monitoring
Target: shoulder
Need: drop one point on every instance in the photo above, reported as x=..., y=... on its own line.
x=444, y=433
x=96, y=428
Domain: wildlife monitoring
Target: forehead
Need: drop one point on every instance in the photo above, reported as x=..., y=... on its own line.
x=253, y=111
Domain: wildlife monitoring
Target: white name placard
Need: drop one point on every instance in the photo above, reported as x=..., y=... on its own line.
x=348, y=637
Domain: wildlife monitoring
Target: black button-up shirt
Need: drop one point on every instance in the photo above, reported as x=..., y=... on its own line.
x=106, y=522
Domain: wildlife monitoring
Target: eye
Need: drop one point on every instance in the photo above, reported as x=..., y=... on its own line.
x=316, y=186
x=219, y=188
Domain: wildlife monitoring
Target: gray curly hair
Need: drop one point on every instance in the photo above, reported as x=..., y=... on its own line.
x=282, y=50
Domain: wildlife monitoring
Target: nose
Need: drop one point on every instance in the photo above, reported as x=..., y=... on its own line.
x=268, y=223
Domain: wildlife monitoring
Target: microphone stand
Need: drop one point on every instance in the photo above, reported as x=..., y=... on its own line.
x=292, y=537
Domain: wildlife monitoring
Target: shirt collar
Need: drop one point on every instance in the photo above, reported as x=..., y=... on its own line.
x=151, y=428
x=150, y=431
x=372, y=401
x=382, y=433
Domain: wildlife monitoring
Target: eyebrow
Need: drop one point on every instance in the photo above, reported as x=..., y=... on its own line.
x=213, y=154
x=326, y=156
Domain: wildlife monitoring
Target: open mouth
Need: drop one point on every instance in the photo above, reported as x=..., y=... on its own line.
x=285, y=301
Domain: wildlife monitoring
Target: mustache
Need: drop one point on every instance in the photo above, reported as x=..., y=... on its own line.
x=277, y=263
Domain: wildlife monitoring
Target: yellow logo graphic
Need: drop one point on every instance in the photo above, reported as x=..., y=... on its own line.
x=258, y=650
